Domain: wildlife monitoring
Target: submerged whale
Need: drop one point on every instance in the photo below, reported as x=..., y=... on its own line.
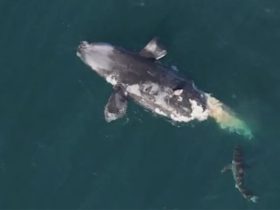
x=237, y=167
x=158, y=88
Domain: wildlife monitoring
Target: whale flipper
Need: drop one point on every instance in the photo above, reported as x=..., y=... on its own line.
x=116, y=105
x=153, y=50
x=226, y=168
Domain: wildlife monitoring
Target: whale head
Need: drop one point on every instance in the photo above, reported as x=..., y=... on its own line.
x=98, y=56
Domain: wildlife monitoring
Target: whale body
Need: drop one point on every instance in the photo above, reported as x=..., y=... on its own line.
x=237, y=167
x=142, y=77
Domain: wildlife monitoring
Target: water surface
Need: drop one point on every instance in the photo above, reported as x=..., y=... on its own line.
x=57, y=151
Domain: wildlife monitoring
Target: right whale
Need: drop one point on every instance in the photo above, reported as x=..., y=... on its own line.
x=142, y=77
x=237, y=167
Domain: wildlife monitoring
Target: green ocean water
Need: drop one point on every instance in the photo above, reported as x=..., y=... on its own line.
x=57, y=151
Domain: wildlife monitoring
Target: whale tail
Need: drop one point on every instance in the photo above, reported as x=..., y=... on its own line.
x=226, y=118
x=254, y=199
x=248, y=195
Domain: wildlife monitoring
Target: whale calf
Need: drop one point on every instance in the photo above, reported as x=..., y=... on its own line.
x=237, y=167
x=142, y=77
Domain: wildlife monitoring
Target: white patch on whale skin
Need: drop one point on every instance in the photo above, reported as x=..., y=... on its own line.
x=179, y=118
x=151, y=88
x=178, y=92
x=134, y=89
x=159, y=102
x=158, y=111
x=198, y=112
x=109, y=117
x=112, y=79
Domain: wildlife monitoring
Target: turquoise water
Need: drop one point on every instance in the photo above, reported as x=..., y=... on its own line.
x=57, y=151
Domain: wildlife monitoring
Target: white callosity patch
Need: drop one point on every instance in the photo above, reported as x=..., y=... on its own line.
x=157, y=99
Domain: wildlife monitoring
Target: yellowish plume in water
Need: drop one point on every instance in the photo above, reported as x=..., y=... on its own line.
x=226, y=118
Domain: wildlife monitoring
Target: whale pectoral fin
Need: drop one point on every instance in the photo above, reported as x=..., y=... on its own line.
x=116, y=106
x=254, y=199
x=153, y=50
x=226, y=168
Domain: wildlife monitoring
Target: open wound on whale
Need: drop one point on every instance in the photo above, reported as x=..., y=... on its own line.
x=226, y=118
